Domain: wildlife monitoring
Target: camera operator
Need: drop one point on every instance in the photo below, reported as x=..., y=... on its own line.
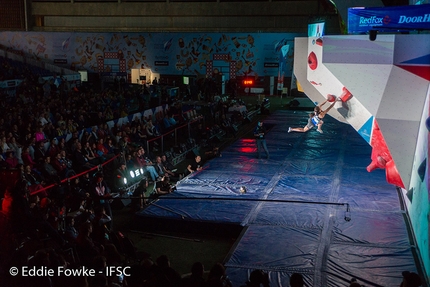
x=164, y=186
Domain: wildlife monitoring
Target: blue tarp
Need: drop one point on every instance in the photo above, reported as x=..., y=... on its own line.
x=295, y=207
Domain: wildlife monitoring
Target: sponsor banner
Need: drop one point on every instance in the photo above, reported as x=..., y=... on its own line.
x=397, y=18
x=161, y=63
x=60, y=61
x=271, y=65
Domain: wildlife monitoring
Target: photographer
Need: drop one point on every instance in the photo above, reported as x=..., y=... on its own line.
x=164, y=186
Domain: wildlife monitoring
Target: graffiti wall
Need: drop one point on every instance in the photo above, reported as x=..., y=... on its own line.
x=258, y=54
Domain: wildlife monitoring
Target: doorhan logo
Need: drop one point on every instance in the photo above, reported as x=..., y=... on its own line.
x=414, y=19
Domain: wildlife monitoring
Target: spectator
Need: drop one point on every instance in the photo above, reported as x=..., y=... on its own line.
x=296, y=280
x=49, y=172
x=258, y=278
x=196, y=165
x=410, y=279
x=166, y=276
x=85, y=246
x=80, y=161
x=163, y=186
x=70, y=232
x=101, y=195
x=145, y=162
x=217, y=277
x=196, y=278
x=11, y=160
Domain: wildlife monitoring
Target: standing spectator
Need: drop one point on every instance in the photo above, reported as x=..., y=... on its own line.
x=260, y=136
x=101, y=194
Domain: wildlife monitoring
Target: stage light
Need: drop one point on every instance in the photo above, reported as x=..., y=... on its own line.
x=373, y=34
x=125, y=180
x=242, y=189
x=132, y=174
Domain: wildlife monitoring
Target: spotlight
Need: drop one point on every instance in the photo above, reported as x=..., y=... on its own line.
x=125, y=180
x=242, y=189
x=373, y=34
x=132, y=174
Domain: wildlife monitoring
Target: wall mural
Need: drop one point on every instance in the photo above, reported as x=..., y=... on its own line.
x=259, y=54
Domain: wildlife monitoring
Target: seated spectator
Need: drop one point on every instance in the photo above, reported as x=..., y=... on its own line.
x=151, y=130
x=86, y=247
x=94, y=134
x=4, y=146
x=40, y=152
x=196, y=278
x=40, y=135
x=258, y=278
x=80, y=161
x=196, y=165
x=86, y=137
x=109, y=145
x=71, y=126
x=411, y=279
x=296, y=280
x=165, y=275
x=34, y=182
x=217, y=277
x=3, y=163
x=102, y=150
x=11, y=160
x=98, y=155
x=162, y=170
x=26, y=157
x=49, y=172
x=53, y=148
x=163, y=186
x=16, y=148
x=62, y=165
x=168, y=122
x=70, y=232
x=143, y=161
x=141, y=136
x=100, y=225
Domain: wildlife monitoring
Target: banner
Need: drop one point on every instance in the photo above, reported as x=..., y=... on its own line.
x=398, y=18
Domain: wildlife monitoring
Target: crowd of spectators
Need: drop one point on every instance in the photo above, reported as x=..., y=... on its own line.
x=55, y=140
